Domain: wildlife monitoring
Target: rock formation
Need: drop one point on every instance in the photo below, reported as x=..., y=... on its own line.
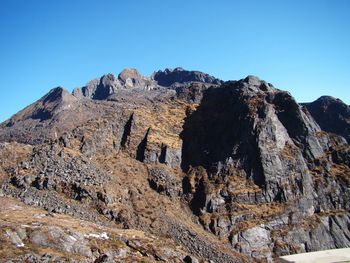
x=233, y=171
x=331, y=114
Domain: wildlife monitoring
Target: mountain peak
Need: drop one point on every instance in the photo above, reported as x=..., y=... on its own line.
x=332, y=114
x=325, y=99
x=57, y=94
x=253, y=80
x=129, y=73
x=131, y=78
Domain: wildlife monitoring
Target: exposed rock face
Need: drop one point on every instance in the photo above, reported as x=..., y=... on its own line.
x=233, y=171
x=131, y=78
x=332, y=115
x=102, y=88
x=170, y=77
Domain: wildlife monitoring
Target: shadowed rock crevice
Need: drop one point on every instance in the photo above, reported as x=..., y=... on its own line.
x=199, y=198
x=162, y=156
x=127, y=131
x=256, y=170
x=42, y=115
x=141, y=148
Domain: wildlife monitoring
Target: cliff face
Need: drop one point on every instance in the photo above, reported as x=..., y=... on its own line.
x=230, y=171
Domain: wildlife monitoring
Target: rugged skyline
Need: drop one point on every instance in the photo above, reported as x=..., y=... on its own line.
x=301, y=45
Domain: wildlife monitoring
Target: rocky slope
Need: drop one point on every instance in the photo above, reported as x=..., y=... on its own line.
x=30, y=234
x=228, y=171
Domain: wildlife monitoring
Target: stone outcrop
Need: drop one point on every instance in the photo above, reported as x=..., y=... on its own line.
x=232, y=171
x=331, y=114
x=102, y=88
x=174, y=77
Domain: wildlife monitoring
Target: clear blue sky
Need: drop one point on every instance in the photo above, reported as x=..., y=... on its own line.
x=302, y=46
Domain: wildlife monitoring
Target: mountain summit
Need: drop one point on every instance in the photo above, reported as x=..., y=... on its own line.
x=177, y=167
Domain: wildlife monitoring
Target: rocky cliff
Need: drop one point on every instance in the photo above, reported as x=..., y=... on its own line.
x=232, y=171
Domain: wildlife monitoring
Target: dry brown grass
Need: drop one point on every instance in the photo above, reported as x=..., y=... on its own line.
x=289, y=152
x=165, y=127
x=3, y=174
x=254, y=103
x=242, y=185
x=320, y=134
x=341, y=171
x=14, y=214
x=72, y=152
x=261, y=210
x=13, y=153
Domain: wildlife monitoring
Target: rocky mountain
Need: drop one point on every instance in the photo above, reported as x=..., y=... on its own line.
x=175, y=167
x=179, y=76
x=332, y=115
